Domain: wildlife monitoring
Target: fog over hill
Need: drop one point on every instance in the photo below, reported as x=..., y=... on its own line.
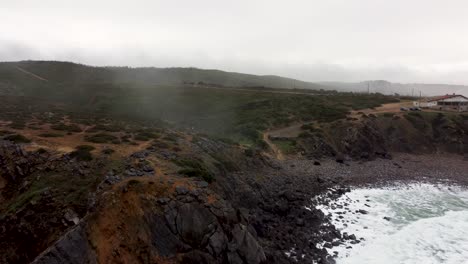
x=67, y=73
x=32, y=73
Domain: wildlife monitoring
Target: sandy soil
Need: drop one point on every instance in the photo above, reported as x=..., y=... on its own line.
x=385, y=108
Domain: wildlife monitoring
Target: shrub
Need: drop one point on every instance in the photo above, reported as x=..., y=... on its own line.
x=85, y=148
x=101, y=138
x=50, y=135
x=108, y=151
x=147, y=135
x=171, y=137
x=17, y=125
x=82, y=153
x=193, y=172
x=5, y=132
x=41, y=151
x=194, y=168
x=160, y=144
x=17, y=138
x=68, y=128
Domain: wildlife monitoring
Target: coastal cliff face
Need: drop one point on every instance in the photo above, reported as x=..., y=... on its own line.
x=140, y=222
x=252, y=213
x=237, y=206
x=378, y=136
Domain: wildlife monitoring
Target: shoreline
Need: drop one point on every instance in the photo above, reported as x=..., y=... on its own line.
x=403, y=167
x=370, y=217
x=337, y=179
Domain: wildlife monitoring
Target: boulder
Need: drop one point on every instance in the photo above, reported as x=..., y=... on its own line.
x=246, y=246
x=195, y=224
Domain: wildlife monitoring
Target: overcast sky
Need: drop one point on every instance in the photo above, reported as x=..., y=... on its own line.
x=326, y=40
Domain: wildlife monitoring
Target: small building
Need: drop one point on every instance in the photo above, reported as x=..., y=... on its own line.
x=454, y=102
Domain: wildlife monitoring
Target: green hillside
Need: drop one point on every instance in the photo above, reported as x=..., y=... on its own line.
x=217, y=107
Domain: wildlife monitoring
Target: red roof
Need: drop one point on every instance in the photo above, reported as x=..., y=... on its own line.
x=445, y=97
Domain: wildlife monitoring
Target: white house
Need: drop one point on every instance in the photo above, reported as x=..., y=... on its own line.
x=452, y=102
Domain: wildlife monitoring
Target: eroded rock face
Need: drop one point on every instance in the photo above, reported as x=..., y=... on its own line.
x=180, y=228
x=195, y=224
x=245, y=245
x=72, y=248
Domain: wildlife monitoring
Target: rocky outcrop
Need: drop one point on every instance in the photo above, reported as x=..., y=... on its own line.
x=183, y=227
x=72, y=248
x=378, y=137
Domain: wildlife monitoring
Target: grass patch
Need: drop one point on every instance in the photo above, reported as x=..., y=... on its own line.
x=286, y=146
x=145, y=136
x=194, y=168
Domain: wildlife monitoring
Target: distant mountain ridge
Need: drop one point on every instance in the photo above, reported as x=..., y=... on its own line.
x=386, y=87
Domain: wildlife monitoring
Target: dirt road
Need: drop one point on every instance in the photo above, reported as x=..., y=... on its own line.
x=276, y=151
x=32, y=74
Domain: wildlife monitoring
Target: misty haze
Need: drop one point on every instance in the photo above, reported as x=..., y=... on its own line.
x=240, y=132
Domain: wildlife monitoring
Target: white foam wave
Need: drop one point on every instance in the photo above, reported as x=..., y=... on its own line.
x=412, y=224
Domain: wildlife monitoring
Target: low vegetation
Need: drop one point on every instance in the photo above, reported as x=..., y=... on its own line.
x=17, y=138
x=287, y=146
x=49, y=135
x=238, y=116
x=82, y=153
x=102, y=138
x=194, y=168
x=68, y=128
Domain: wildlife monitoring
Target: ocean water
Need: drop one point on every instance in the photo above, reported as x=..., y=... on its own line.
x=407, y=224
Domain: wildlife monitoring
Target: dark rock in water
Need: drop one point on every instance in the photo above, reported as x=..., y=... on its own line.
x=328, y=245
x=387, y=218
x=361, y=211
x=345, y=236
x=300, y=222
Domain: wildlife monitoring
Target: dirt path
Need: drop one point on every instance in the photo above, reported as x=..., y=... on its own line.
x=276, y=151
x=291, y=131
x=32, y=74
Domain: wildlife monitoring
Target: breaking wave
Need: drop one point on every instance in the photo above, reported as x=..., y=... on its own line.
x=408, y=224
